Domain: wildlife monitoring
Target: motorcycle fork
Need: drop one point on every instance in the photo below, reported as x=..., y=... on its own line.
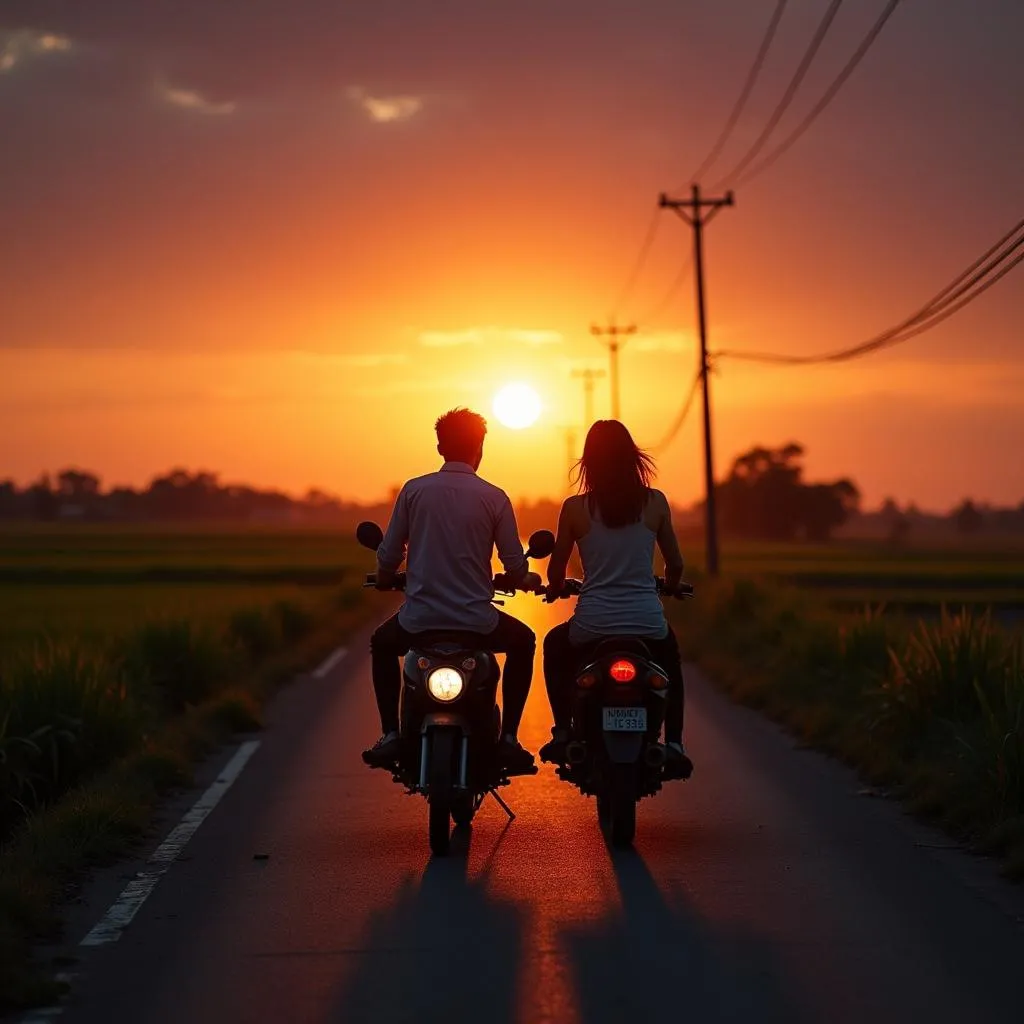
x=425, y=760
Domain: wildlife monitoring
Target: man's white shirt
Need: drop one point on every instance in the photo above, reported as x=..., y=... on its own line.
x=449, y=523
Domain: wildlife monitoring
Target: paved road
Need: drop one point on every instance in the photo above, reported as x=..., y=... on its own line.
x=766, y=889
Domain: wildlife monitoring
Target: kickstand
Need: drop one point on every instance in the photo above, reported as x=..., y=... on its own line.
x=504, y=806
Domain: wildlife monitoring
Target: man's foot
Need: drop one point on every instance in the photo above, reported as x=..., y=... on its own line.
x=384, y=752
x=514, y=757
x=677, y=763
x=554, y=750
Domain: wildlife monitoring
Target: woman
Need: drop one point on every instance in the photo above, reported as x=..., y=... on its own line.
x=614, y=521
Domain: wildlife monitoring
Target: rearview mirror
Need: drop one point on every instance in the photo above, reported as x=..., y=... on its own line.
x=542, y=543
x=370, y=535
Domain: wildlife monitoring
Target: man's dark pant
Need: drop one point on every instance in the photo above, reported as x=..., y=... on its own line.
x=511, y=637
x=561, y=659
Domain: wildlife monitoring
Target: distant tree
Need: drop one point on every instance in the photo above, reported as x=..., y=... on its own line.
x=123, y=503
x=897, y=524
x=77, y=485
x=42, y=499
x=823, y=508
x=184, y=495
x=11, y=503
x=765, y=496
x=967, y=518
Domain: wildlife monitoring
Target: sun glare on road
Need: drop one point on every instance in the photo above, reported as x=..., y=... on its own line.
x=517, y=406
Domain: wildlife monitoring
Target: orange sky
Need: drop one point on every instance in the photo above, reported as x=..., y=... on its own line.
x=279, y=247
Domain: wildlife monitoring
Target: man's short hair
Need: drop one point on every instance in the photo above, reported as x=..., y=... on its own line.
x=460, y=434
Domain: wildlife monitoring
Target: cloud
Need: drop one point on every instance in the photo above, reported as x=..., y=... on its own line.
x=19, y=45
x=489, y=335
x=189, y=99
x=385, y=109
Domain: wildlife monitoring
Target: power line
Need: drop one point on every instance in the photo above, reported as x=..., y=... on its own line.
x=826, y=99
x=638, y=264
x=748, y=88
x=787, y=97
x=926, y=318
x=982, y=274
x=677, y=423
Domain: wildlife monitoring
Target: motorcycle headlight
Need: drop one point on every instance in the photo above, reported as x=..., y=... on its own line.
x=445, y=684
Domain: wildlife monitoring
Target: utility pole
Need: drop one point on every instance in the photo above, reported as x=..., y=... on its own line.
x=570, y=452
x=692, y=211
x=613, y=332
x=588, y=376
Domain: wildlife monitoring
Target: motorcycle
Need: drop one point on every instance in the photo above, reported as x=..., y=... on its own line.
x=619, y=701
x=450, y=723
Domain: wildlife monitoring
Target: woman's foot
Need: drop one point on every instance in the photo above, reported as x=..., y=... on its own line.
x=554, y=750
x=677, y=762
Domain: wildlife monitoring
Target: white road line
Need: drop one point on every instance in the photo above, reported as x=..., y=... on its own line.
x=329, y=662
x=136, y=892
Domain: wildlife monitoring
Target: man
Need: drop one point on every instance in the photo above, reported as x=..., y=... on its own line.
x=450, y=522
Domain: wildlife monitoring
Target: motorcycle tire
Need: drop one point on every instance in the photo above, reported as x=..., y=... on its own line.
x=463, y=810
x=439, y=823
x=623, y=806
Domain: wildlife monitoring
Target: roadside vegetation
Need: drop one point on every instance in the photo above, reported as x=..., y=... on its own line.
x=930, y=710
x=113, y=684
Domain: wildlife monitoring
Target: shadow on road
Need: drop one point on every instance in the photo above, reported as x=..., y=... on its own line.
x=657, y=959
x=444, y=950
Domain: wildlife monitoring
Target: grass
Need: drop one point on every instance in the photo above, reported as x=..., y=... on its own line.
x=932, y=709
x=115, y=680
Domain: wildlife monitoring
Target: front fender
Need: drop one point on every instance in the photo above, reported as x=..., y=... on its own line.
x=445, y=720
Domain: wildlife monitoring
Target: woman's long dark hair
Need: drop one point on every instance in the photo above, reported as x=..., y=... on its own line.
x=614, y=474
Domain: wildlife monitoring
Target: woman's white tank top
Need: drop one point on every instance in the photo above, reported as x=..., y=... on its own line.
x=619, y=596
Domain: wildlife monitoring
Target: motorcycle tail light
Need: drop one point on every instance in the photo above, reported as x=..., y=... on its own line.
x=622, y=671
x=586, y=680
x=658, y=681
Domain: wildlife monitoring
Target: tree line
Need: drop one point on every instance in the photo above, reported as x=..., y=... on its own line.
x=177, y=496
x=764, y=496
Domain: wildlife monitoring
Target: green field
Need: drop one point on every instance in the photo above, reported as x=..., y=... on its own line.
x=91, y=582
x=853, y=574
x=107, y=633
x=94, y=583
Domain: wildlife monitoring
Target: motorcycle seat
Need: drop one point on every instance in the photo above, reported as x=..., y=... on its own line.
x=622, y=645
x=450, y=639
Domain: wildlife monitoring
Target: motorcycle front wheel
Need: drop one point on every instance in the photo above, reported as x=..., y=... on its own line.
x=463, y=810
x=439, y=825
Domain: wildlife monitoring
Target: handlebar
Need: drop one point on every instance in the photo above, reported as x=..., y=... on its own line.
x=399, y=584
x=571, y=587
x=501, y=584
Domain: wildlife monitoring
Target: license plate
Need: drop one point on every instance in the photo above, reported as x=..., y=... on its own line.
x=625, y=719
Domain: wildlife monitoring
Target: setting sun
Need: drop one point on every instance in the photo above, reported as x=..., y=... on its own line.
x=517, y=406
